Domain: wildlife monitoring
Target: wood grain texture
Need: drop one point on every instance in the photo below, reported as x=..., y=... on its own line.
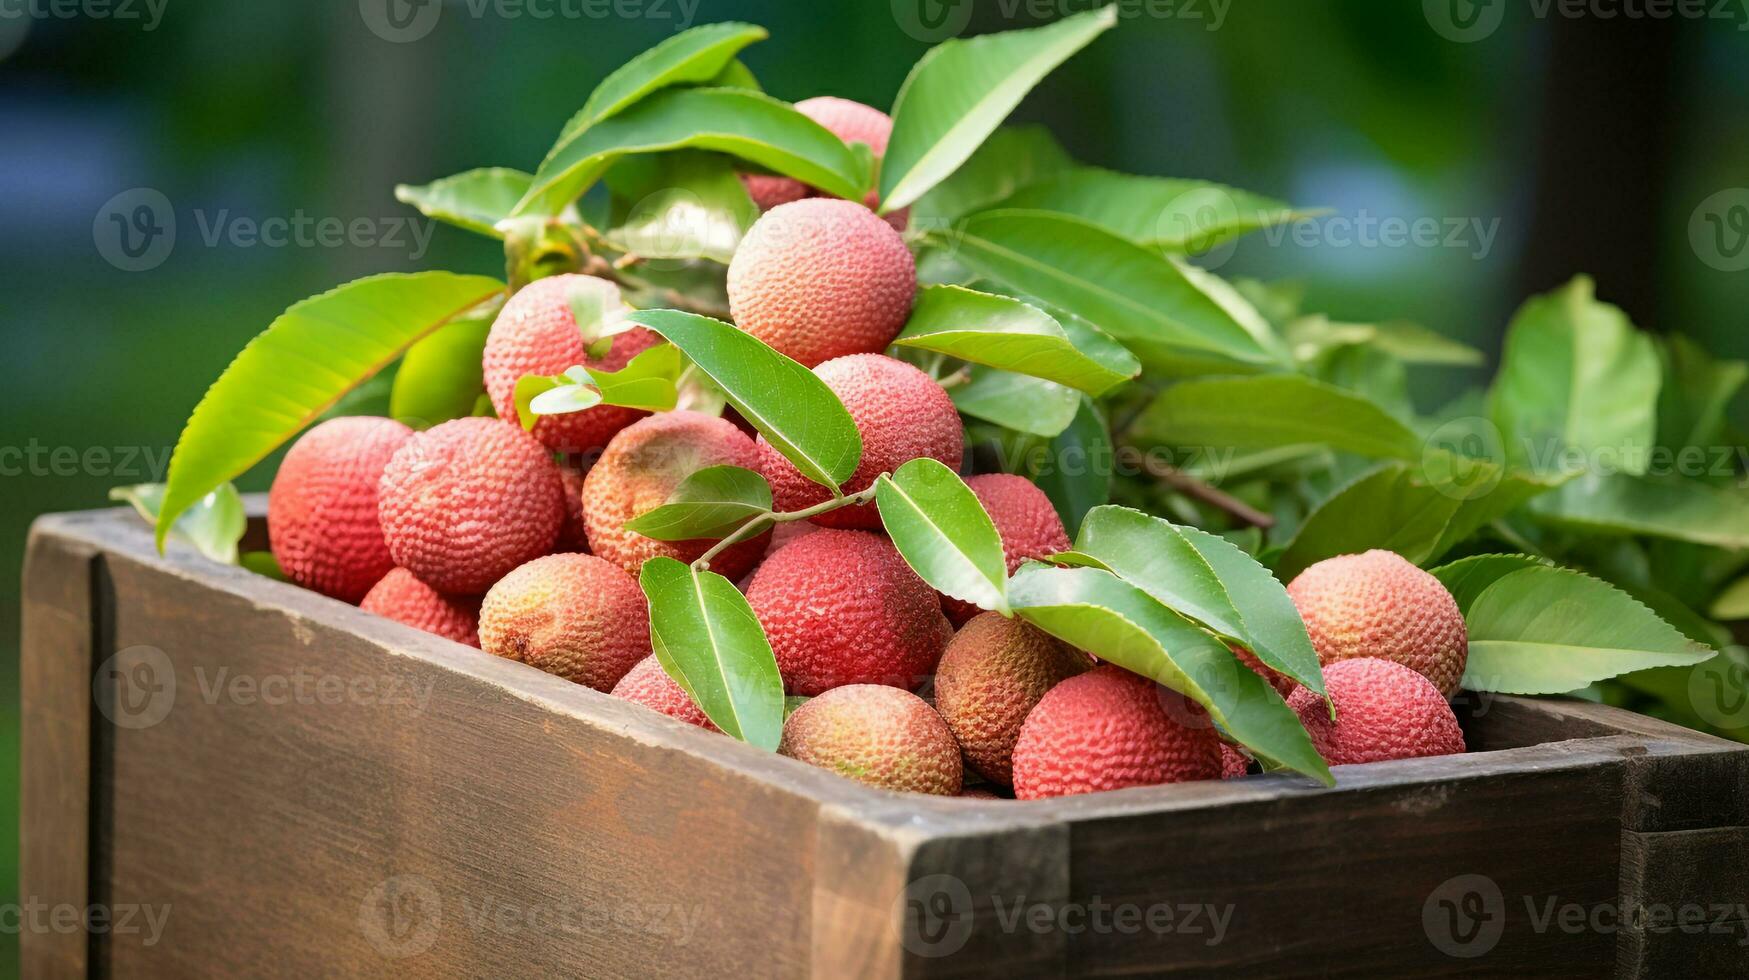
x=332, y=793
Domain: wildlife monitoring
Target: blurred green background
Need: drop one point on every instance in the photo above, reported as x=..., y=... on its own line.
x=1558, y=145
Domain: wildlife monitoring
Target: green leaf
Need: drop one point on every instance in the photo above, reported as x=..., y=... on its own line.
x=1411, y=343
x=1005, y=333
x=745, y=124
x=1273, y=411
x=793, y=409
x=309, y=357
x=1552, y=630
x=1152, y=303
x=709, y=503
x=440, y=377
x=1118, y=622
x=649, y=381
x=702, y=54
x=213, y=525
x=941, y=529
x=1175, y=215
x=1031, y=405
x=1394, y=508
x=962, y=89
x=1696, y=393
x=706, y=637
x=476, y=200
x=735, y=75
x=1733, y=602
x=263, y=563
x=1467, y=578
x=1206, y=578
x=682, y=205
x=1676, y=508
x=1076, y=469
x=1012, y=158
x=1576, y=375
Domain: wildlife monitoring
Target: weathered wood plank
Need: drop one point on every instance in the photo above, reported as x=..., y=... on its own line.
x=1685, y=903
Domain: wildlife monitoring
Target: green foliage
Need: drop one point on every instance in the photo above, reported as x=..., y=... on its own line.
x=1182, y=216
x=648, y=382
x=476, y=200
x=941, y=529
x=1005, y=333
x=213, y=525
x=709, y=503
x=707, y=638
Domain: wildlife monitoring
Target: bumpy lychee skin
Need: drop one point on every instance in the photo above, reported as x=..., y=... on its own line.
x=1379, y=605
x=1025, y=518
x=992, y=674
x=573, y=535
x=822, y=278
x=649, y=685
x=640, y=469
x=576, y=616
x=465, y=502
x=1107, y=729
x=1234, y=763
x=537, y=333
x=400, y=596
x=1384, y=710
x=901, y=413
x=841, y=607
x=881, y=736
x=322, y=509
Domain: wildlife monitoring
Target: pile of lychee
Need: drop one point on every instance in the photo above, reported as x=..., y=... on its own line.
x=514, y=541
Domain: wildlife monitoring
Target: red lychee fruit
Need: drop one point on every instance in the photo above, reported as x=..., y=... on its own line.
x=322, y=509
x=573, y=535
x=1234, y=763
x=537, y=333
x=993, y=672
x=842, y=607
x=1379, y=605
x=400, y=596
x=1107, y=729
x=649, y=685
x=901, y=413
x=464, y=502
x=1025, y=518
x=639, y=471
x=822, y=278
x=1384, y=710
x=882, y=736
x=576, y=616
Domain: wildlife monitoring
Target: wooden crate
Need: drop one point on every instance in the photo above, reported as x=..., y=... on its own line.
x=291, y=787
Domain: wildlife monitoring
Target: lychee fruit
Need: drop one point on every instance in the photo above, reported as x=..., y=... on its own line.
x=1384, y=710
x=464, y=502
x=573, y=536
x=1234, y=763
x=901, y=413
x=842, y=607
x=821, y=278
x=1377, y=604
x=1025, y=518
x=639, y=471
x=850, y=121
x=1108, y=729
x=649, y=685
x=400, y=596
x=577, y=616
x=993, y=672
x=537, y=333
x=322, y=509
x=882, y=736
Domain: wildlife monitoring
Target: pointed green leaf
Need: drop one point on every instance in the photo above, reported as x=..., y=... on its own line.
x=942, y=531
x=648, y=382
x=1015, y=401
x=1118, y=622
x=476, y=200
x=1274, y=411
x=701, y=54
x=962, y=89
x=706, y=637
x=309, y=357
x=1176, y=215
x=1008, y=334
x=214, y=525
x=709, y=503
x=793, y=409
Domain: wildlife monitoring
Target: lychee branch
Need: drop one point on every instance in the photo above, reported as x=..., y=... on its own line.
x=771, y=518
x=1206, y=493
